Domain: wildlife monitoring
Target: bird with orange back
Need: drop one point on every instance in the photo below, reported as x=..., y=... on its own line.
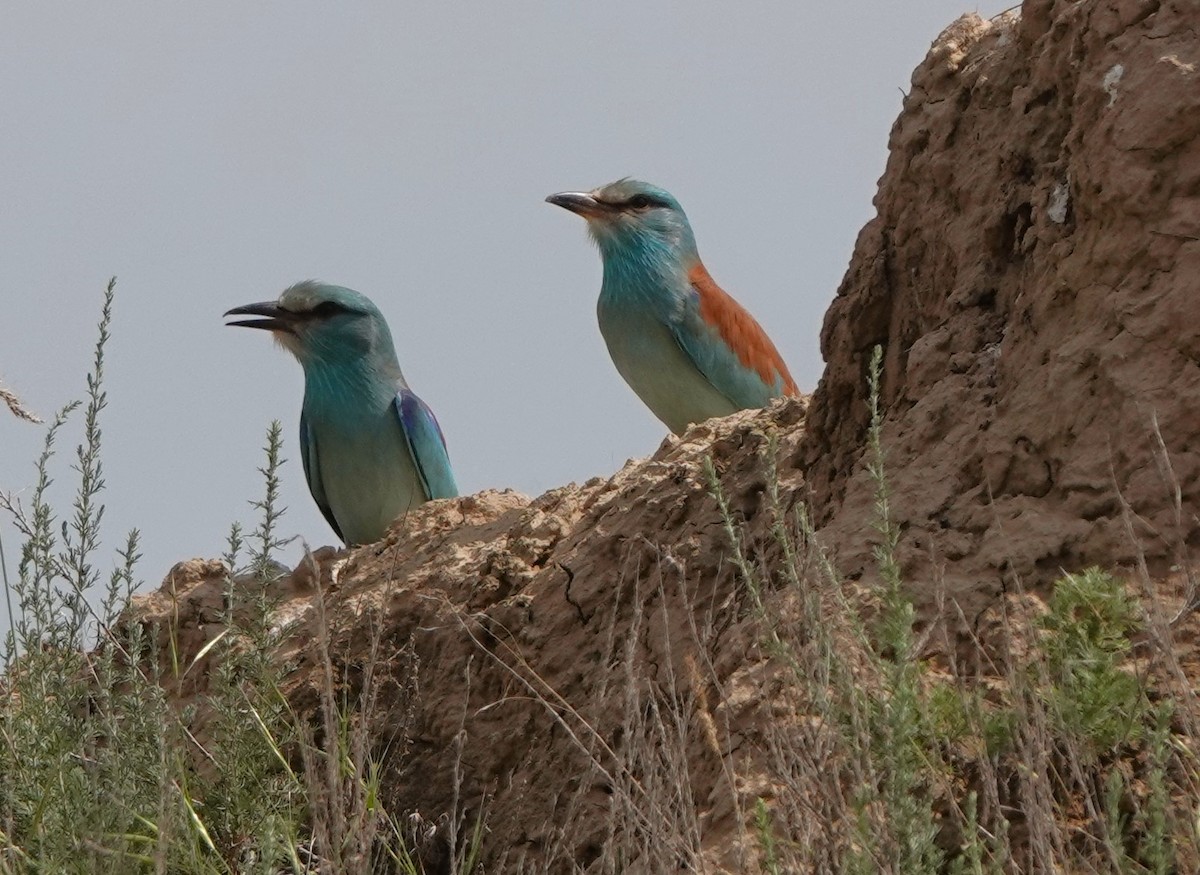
x=689, y=350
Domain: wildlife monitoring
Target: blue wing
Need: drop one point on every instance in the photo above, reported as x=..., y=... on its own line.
x=427, y=445
x=312, y=473
x=718, y=363
x=728, y=346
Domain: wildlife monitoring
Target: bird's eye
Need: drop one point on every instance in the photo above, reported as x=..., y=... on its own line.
x=641, y=201
x=325, y=309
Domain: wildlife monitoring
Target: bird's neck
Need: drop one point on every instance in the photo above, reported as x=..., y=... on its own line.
x=350, y=390
x=641, y=269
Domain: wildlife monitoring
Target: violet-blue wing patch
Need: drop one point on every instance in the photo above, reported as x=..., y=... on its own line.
x=427, y=445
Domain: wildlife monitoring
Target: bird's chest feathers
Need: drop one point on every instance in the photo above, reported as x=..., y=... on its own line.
x=355, y=438
x=364, y=463
x=639, y=339
x=354, y=430
x=347, y=399
x=638, y=319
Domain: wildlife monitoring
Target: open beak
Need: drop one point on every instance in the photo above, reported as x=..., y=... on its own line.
x=274, y=317
x=578, y=202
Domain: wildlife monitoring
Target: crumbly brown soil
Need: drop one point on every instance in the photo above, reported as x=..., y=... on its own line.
x=1033, y=274
x=492, y=603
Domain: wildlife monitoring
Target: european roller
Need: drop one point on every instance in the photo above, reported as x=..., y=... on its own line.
x=689, y=350
x=372, y=450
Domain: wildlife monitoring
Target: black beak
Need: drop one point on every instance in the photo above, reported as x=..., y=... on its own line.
x=578, y=202
x=275, y=318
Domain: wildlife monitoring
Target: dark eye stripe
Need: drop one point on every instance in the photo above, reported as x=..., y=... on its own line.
x=642, y=201
x=327, y=308
x=323, y=310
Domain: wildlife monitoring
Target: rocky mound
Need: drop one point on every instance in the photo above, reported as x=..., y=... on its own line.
x=1032, y=275
x=538, y=629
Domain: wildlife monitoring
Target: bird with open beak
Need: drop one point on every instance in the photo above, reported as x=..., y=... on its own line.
x=372, y=450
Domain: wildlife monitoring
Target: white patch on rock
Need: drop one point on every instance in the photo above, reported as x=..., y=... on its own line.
x=1183, y=67
x=288, y=615
x=1111, y=78
x=1060, y=199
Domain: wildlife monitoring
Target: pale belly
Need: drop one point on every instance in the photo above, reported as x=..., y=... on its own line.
x=369, y=480
x=659, y=371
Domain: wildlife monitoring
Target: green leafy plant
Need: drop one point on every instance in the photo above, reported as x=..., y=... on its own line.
x=1087, y=634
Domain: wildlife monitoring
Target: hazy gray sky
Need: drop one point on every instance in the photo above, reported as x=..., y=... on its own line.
x=211, y=154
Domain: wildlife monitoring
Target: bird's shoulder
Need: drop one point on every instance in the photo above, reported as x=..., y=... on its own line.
x=739, y=331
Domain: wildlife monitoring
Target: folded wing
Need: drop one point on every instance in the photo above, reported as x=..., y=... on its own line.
x=312, y=473
x=427, y=445
x=728, y=346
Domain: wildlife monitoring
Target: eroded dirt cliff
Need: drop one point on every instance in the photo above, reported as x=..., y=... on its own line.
x=1032, y=275
x=538, y=628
